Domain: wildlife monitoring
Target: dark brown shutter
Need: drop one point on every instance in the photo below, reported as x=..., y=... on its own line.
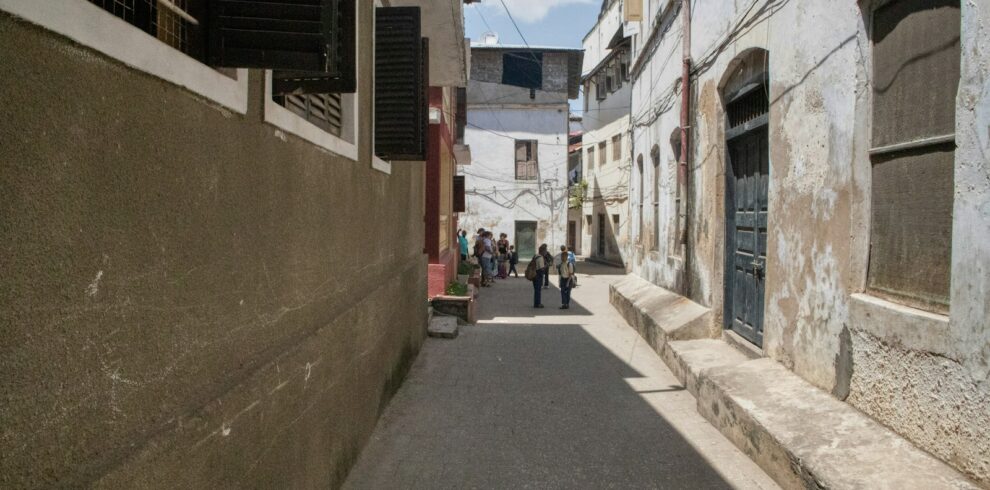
x=302, y=35
x=459, y=206
x=401, y=83
x=344, y=81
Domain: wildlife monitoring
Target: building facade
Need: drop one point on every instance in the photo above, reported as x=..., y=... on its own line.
x=606, y=140
x=517, y=128
x=449, y=59
x=213, y=266
x=832, y=208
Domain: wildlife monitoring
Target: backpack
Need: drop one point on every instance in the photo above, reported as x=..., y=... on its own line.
x=531, y=269
x=479, y=248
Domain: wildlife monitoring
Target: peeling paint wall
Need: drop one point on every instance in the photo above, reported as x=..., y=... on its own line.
x=191, y=298
x=495, y=200
x=924, y=375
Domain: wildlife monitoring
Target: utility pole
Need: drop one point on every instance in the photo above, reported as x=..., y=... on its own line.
x=553, y=222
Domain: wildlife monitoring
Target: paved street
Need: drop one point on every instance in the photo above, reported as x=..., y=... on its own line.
x=547, y=399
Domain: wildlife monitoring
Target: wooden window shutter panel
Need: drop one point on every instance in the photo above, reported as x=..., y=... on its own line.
x=401, y=84
x=459, y=206
x=301, y=35
x=344, y=81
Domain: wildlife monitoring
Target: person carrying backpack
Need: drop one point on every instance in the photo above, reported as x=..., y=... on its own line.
x=535, y=272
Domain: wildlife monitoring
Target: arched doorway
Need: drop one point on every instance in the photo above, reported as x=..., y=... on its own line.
x=747, y=108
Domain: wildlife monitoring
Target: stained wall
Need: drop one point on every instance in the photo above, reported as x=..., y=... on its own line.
x=191, y=297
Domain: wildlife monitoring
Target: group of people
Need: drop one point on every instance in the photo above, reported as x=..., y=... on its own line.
x=498, y=258
x=538, y=271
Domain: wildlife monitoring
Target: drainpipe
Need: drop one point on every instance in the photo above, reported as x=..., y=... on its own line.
x=682, y=169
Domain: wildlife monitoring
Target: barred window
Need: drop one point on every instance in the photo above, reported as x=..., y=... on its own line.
x=916, y=71
x=176, y=23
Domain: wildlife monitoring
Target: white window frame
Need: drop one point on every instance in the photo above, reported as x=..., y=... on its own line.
x=91, y=26
x=345, y=145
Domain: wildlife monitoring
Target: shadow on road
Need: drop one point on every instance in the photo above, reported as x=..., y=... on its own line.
x=528, y=406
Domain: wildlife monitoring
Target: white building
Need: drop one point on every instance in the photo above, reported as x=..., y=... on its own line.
x=517, y=128
x=832, y=210
x=606, y=144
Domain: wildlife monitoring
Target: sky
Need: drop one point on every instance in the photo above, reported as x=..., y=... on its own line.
x=543, y=22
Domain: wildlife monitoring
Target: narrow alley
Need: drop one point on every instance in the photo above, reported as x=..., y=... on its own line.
x=547, y=399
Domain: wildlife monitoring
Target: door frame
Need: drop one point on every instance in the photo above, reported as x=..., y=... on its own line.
x=755, y=81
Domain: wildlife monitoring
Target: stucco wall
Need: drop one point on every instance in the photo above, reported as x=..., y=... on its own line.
x=608, y=189
x=191, y=298
x=924, y=375
x=495, y=200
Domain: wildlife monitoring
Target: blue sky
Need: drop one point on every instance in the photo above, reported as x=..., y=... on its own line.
x=543, y=22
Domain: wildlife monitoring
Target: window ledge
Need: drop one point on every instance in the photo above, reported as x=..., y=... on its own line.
x=292, y=123
x=909, y=327
x=381, y=165
x=95, y=28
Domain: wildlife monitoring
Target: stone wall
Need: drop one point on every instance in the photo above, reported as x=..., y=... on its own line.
x=192, y=298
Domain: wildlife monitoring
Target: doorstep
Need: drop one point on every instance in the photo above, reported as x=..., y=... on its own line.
x=800, y=435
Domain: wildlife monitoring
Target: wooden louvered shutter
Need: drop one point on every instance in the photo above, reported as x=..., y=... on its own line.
x=301, y=35
x=401, y=83
x=344, y=81
x=459, y=206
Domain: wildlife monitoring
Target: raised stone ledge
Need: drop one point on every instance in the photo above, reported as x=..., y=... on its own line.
x=659, y=315
x=800, y=435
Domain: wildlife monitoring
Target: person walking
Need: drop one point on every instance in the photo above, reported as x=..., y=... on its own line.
x=462, y=241
x=548, y=260
x=513, y=260
x=565, y=270
x=535, y=272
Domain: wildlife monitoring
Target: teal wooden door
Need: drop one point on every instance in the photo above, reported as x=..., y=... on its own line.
x=747, y=185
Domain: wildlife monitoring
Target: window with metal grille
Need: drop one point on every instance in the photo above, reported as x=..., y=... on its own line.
x=311, y=40
x=617, y=147
x=526, y=160
x=323, y=110
x=916, y=66
x=177, y=23
x=748, y=109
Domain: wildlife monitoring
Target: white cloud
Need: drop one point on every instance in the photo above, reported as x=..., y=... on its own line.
x=530, y=11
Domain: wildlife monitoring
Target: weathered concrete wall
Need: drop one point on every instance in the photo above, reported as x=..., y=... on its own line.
x=495, y=200
x=608, y=189
x=191, y=298
x=922, y=374
x=485, y=84
x=930, y=378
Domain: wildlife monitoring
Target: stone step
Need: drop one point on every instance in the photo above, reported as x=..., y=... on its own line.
x=800, y=435
x=444, y=327
x=659, y=315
